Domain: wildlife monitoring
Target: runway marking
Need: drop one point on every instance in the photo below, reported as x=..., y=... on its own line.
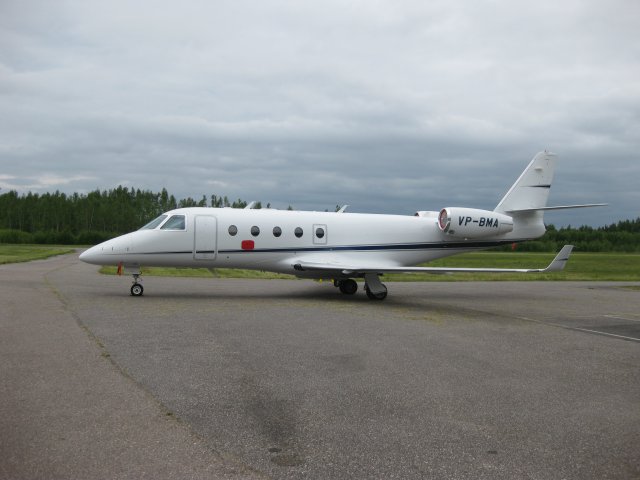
x=567, y=327
x=633, y=339
x=618, y=317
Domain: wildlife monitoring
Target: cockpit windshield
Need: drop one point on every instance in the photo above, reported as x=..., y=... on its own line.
x=176, y=222
x=154, y=223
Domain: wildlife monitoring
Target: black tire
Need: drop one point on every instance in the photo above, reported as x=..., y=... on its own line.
x=348, y=286
x=137, y=290
x=376, y=296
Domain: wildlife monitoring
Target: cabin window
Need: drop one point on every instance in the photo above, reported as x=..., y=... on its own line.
x=320, y=232
x=233, y=230
x=298, y=232
x=176, y=222
x=255, y=231
x=277, y=231
x=154, y=223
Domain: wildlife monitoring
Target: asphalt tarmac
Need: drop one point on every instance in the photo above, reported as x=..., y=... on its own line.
x=213, y=378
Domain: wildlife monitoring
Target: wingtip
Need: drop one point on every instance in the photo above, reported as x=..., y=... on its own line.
x=560, y=260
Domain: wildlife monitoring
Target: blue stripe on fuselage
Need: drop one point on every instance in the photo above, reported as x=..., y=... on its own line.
x=361, y=248
x=354, y=248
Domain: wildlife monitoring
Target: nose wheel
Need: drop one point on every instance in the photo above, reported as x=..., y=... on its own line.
x=136, y=289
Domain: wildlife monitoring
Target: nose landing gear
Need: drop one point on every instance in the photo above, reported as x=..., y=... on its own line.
x=136, y=289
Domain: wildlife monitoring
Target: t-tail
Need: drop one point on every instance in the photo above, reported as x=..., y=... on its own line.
x=526, y=200
x=518, y=216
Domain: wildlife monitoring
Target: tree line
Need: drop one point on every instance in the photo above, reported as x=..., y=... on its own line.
x=87, y=219
x=622, y=237
x=58, y=218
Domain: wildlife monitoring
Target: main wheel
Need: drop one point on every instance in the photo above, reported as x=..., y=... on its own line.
x=376, y=296
x=348, y=286
x=137, y=290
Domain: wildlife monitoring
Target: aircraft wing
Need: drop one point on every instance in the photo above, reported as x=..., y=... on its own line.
x=556, y=265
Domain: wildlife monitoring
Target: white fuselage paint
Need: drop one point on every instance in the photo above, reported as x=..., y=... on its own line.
x=341, y=246
x=349, y=238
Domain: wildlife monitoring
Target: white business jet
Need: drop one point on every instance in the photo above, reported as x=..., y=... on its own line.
x=337, y=245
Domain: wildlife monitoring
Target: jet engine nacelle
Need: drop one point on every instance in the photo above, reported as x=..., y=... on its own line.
x=473, y=223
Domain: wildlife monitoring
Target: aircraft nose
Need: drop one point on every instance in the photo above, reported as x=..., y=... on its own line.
x=110, y=252
x=91, y=255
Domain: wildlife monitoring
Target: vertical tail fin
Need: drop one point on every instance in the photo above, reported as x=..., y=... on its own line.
x=531, y=190
x=526, y=200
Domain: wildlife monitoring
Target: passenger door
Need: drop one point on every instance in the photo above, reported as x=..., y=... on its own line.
x=205, y=237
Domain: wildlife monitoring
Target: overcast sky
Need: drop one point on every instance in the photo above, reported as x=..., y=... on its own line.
x=388, y=106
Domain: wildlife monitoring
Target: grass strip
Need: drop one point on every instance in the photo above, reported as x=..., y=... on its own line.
x=25, y=253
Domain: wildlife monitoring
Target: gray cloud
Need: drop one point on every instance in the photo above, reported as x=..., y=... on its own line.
x=387, y=106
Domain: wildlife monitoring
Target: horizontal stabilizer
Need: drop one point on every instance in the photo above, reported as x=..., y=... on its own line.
x=560, y=207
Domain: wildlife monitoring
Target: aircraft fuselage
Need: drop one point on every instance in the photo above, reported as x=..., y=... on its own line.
x=337, y=245
x=274, y=239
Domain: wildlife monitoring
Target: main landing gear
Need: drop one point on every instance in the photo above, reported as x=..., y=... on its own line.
x=375, y=289
x=376, y=296
x=348, y=286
